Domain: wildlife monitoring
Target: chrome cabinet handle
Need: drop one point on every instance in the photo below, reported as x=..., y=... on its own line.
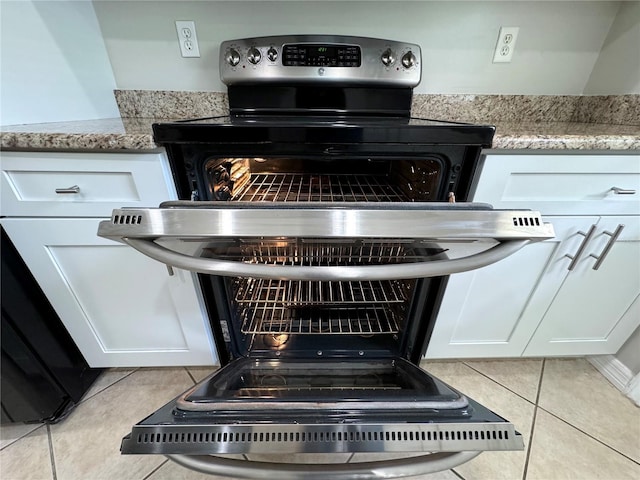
x=574, y=258
x=74, y=189
x=229, y=268
x=396, y=468
x=622, y=191
x=614, y=236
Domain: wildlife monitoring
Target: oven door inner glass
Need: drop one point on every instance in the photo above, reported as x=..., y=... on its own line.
x=346, y=387
x=321, y=406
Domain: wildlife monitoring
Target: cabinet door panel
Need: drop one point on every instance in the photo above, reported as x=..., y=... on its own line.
x=493, y=311
x=121, y=308
x=595, y=311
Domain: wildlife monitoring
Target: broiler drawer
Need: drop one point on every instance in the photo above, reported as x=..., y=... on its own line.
x=45, y=184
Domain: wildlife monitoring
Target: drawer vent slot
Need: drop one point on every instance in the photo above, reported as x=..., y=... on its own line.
x=127, y=219
x=526, y=221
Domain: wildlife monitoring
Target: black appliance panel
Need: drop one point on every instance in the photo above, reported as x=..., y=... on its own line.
x=321, y=55
x=43, y=373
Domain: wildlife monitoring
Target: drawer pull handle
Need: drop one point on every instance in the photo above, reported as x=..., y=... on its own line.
x=574, y=258
x=614, y=236
x=74, y=189
x=622, y=191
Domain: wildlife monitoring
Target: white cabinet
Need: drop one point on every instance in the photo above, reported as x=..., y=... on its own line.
x=595, y=311
x=121, y=308
x=531, y=304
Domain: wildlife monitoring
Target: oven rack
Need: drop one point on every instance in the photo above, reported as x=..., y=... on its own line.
x=309, y=293
x=357, y=320
x=294, y=187
x=328, y=254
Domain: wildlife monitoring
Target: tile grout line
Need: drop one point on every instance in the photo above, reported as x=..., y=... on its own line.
x=51, y=454
x=191, y=376
x=498, y=383
x=589, y=435
x=457, y=474
x=156, y=469
x=16, y=440
x=535, y=404
x=533, y=422
x=108, y=386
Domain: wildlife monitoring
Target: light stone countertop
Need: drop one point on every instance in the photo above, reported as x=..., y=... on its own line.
x=136, y=134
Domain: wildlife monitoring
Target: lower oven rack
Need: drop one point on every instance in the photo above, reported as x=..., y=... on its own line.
x=310, y=293
x=278, y=320
x=324, y=253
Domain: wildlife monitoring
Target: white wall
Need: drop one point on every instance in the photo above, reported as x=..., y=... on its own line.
x=617, y=70
x=558, y=45
x=53, y=63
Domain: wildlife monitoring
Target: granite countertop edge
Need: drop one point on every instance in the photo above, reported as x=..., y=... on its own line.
x=135, y=134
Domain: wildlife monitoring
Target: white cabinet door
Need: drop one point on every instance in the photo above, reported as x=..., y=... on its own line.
x=595, y=311
x=121, y=308
x=494, y=311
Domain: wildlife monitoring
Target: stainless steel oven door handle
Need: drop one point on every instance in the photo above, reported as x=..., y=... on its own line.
x=228, y=268
x=396, y=468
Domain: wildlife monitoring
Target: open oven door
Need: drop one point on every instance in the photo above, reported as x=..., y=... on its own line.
x=323, y=405
x=187, y=235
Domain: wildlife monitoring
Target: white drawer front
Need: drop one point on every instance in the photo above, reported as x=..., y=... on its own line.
x=562, y=184
x=34, y=183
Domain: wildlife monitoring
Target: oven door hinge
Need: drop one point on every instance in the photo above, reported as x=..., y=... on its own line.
x=224, y=326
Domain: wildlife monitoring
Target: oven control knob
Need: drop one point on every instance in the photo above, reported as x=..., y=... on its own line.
x=254, y=55
x=272, y=54
x=408, y=59
x=232, y=57
x=388, y=57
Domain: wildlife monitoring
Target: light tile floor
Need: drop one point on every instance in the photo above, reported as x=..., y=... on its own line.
x=575, y=425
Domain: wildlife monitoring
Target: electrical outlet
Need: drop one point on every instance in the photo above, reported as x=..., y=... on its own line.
x=506, y=44
x=187, y=38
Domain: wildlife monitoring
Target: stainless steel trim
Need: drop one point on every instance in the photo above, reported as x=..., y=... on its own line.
x=438, y=221
x=74, y=189
x=205, y=438
x=614, y=236
x=333, y=273
x=574, y=258
x=395, y=468
x=372, y=70
x=622, y=191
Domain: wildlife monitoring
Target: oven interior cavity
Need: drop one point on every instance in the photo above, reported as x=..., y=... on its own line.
x=321, y=318
x=309, y=180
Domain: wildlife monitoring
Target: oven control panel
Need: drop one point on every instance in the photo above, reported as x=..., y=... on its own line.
x=327, y=59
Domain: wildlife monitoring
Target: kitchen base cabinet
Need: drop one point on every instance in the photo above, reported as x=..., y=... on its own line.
x=121, y=308
x=548, y=300
x=494, y=311
x=595, y=311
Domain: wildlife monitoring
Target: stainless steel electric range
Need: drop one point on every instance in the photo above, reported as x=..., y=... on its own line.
x=323, y=222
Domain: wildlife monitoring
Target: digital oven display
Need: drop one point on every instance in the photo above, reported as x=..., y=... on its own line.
x=307, y=55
